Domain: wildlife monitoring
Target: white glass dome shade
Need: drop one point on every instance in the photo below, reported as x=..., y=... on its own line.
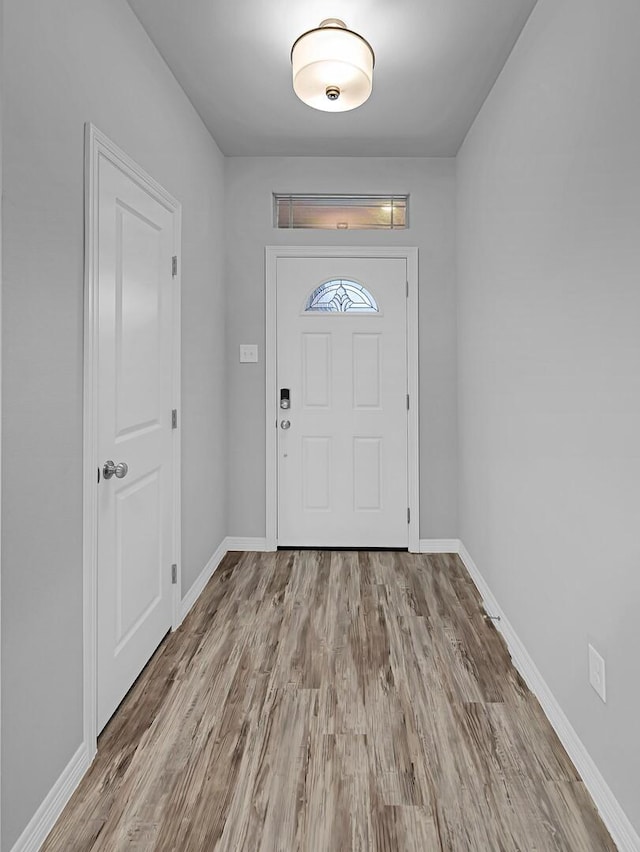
x=332, y=67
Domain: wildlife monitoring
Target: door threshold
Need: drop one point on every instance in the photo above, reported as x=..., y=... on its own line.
x=358, y=549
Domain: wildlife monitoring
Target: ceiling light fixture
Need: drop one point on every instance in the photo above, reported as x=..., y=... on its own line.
x=332, y=67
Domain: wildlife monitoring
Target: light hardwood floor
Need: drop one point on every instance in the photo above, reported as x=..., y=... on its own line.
x=330, y=702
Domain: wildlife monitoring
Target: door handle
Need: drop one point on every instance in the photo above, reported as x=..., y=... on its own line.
x=119, y=470
x=285, y=424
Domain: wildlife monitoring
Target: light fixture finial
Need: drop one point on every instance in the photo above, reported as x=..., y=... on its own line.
x=333, y=22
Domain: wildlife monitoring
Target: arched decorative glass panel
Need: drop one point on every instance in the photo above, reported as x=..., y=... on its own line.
x=341, y=296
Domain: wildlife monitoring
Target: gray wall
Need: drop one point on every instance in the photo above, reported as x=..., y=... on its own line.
x=549, y=360
x=1, y=111
x=66, y=63
x=250, y=182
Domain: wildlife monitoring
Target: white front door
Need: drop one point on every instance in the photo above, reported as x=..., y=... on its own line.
x=135, y=246
x=342, y=366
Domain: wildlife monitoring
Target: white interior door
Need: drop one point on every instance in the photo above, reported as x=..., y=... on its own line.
x=135, y=401
x=342, y=444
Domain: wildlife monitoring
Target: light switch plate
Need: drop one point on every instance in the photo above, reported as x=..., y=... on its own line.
x=248, y=353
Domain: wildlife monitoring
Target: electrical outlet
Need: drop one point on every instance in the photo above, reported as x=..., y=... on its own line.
x=597, y=674
x=248, y=353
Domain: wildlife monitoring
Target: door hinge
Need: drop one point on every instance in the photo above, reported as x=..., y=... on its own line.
x=174, y=266
x=174, y=574
x=174, y=418
x=408, y=515
x=407, y=289
x=408, y=406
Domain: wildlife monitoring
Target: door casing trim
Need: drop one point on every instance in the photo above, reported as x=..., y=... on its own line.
x=98, y=145
x=410, y=254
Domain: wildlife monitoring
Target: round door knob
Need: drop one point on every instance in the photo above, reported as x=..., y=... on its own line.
x=119, y=470
x=285, y=424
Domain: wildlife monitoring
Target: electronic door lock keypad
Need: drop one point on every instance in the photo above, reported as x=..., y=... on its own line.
x=285, y=401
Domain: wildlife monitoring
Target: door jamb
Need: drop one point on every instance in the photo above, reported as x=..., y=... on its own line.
x=98, y=146
x=410, y=254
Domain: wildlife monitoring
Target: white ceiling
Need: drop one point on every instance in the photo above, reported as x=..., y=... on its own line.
x=436, y=61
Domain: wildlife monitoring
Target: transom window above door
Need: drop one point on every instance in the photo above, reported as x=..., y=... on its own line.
x=341, y=295
x=341, y=212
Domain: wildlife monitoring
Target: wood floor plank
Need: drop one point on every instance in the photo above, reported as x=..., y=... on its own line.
x=325, y=702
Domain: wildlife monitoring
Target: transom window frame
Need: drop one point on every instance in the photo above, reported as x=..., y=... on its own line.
x=387, y=211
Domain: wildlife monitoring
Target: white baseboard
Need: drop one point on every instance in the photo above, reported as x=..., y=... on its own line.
x=427, y=545
x=203, y=578
x=615, y=819
x=439, y=545
x=240, y=543
x=45, y=817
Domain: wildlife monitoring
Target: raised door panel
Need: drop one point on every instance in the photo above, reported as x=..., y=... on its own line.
x=138, y=322
x=138, y=555
x=367, y=474
x=316, y=474
x=316, y=370
x=367, y=371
